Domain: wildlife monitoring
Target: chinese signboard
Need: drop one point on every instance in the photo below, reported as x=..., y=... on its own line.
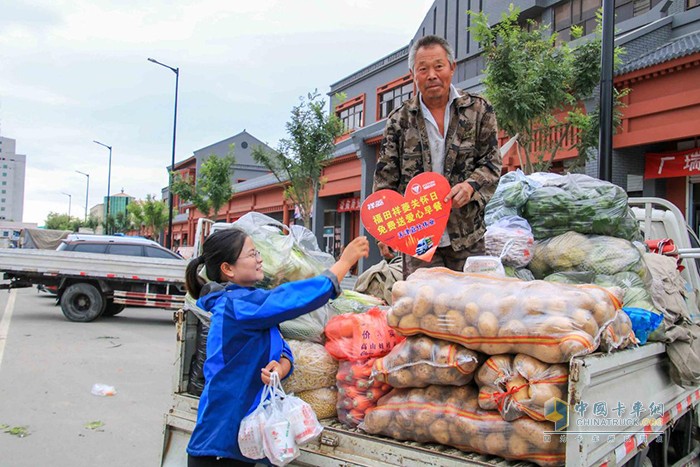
x=348, y=204
x=412, y=223
x=675, y=164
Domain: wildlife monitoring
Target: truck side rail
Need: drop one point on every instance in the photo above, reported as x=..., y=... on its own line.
x=93, y=265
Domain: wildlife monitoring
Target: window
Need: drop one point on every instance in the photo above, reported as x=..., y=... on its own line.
x=2, y=200
x=692, y=4
x=153, y=252
x=90, y=248
x=125, y=250
x=4, y=191
x=350, y=113
x=392, y=95
x=575, y=12
x=4, y=183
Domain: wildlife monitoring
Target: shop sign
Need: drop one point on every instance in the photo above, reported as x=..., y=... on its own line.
x=412, y=223
x=348, y=204
x=674, y=164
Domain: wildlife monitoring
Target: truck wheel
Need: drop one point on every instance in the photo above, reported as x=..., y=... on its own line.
x=113, y=308
x=82, y=303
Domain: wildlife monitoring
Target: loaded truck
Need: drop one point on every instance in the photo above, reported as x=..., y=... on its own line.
x=622, y=378
x=91, y=285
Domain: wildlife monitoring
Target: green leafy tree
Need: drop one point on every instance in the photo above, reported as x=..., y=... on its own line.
x=122, y=222
x=92, y=223
x=109, y=225
x=58, y=221
x=150, y=213
x=212, y=188
x=529, y=79
x=301, y=157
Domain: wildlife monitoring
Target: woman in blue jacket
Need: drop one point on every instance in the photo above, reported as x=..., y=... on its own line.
x=244, y=344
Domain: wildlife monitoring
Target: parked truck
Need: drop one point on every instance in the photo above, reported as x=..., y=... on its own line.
x=623, y=378
x=90, y=285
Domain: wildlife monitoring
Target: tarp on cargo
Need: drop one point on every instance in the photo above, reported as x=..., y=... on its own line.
x=42, y=239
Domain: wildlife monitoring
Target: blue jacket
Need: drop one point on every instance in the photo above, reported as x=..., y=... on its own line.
x=243, y=338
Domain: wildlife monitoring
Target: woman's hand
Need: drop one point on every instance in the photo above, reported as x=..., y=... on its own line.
x=282, y=368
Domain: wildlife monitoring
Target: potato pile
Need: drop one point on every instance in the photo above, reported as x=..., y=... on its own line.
x=323, y=401
x=451, y=415
x=551, y=322
x=420, y=361
x=314, y=368
x=518, y=385
x=357, y=391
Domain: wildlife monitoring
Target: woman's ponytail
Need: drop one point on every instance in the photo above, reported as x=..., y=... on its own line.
x=192, y=279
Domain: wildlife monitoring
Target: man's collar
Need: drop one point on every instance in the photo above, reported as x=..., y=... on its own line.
x=463, y=99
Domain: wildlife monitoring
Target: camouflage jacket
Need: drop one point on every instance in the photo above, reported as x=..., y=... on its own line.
x=471, y=154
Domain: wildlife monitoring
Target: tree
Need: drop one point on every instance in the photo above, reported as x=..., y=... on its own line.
x=58, y=221
x=212, y=188
x=92, y=223
x=301, y=157
x=150, y=213
x=122, y=222
x=529, y=79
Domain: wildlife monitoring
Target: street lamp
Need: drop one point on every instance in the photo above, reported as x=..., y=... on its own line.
x=169, y=238
x=87, y=191
x=69, y=202
x=109, y=179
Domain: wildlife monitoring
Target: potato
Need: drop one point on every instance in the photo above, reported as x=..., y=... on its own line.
x=402, y=307
x=496, y=348
x=399, y=290
x=603, y=312
x=421, y=348
x=584, y=320
x=440, y=432
x=442, y=304
x=507, y=306
x=453, y=322
x=471, y=313
x=487, y=397
x=495, y=443
x=487, y=325
x=404, y=419
x=450, y=376
x=488, y=301
x=513, y=328
x=542, y=392
x=576, y=343
x=518, y=382
x=430, y=323
x=392, y=319
x=402, y=378
x=377, y=420
x=469, y=332
x=518, y=447
x=556, y=305
x=434, y=393
x=423, y=303
x=533, y=432
x=424, y=418
x=533, y=305
x=409, y=324
x=557, y=325
x=546, y=353
x=424, y=374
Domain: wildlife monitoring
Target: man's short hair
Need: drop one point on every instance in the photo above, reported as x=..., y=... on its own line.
x=427, y=41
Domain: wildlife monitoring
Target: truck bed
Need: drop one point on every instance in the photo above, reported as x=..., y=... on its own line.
x=52, y=263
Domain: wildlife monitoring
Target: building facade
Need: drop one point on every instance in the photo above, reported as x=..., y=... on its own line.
x=12, y=173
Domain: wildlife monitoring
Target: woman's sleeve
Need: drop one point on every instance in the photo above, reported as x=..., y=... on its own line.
x=262, y=309
x=289, y=355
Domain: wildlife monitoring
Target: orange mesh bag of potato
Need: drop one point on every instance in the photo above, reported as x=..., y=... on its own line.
x=357, y=391
x=619, y=334
x=549, y=321
x=451, y=416
x=519, y=385
x=359, y=336
x=420, y=361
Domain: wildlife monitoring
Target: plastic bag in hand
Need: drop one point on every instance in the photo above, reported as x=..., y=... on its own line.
x=303, y=419
x=250, y=433
x=279, y=444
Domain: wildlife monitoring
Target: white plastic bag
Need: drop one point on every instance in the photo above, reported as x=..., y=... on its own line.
x=279, y=444
x=250, y=433
x=510, y=229
x=303, y=419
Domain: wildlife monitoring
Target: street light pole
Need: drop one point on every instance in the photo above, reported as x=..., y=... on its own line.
x=169, y=238
x=87, y=191
x=109, y=179
x=69, y=202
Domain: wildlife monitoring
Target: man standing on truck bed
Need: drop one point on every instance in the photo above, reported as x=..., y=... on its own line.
x=450, y=132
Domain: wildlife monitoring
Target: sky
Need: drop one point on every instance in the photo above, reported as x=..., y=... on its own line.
x=74, y=71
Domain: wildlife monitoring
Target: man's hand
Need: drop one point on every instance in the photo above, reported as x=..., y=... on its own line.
x=282, y=368
x=385, y=250
x=460, y=194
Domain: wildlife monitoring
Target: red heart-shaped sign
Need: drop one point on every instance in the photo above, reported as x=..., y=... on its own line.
x=412, y=223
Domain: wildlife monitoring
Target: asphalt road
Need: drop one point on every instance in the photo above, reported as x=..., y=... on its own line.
x=48, y=366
